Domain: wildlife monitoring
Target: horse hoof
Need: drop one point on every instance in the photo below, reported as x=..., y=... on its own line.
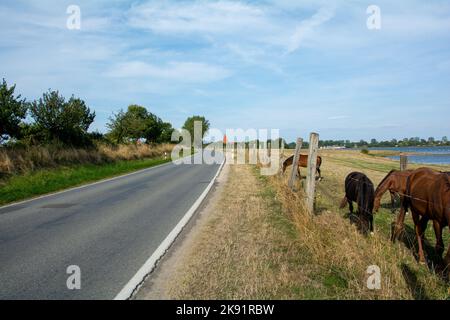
x=422, y=263
x=372, y=234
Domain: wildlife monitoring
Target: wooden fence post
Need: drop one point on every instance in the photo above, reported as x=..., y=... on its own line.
x=298, y=147
x=310, y=187
x=403, y=162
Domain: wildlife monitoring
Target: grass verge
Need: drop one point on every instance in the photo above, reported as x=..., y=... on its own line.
x=259, y=243
x=40, y=182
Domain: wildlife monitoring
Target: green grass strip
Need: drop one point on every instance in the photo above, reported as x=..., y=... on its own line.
x=46, y=181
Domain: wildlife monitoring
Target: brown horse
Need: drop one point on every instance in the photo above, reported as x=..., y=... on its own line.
x=428, y=197
x=395, y=182
x=359, y=189
x=302, y=162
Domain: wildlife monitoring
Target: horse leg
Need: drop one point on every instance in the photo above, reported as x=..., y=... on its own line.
x=371, y=223
x=320, y=174
x=439, y=241
x=392, y=202
x=419, y=234
x=400, y=223
x=447, y=257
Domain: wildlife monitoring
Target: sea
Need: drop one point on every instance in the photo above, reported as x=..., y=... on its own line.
x=426, y=155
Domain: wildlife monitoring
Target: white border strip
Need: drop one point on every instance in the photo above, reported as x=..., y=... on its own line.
x=135, y=283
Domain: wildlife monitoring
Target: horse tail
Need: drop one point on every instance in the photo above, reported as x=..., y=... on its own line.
x=343, y=203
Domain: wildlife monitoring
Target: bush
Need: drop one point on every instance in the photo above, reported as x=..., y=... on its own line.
x=12, y=111
x=365, y=151
x=65, y=121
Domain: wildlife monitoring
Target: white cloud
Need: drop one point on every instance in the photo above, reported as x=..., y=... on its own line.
x=178, y=71
x=256, y=27
x=199, y=16
x=306, y=27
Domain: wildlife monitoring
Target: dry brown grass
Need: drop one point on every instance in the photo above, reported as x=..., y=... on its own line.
x=261, y=244
x=22, y=160
x=238, y=254
x=340, y=254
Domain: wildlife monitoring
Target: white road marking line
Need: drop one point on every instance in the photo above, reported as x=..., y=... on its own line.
x=135, y=283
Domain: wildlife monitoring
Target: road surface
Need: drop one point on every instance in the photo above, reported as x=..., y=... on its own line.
x=108, y=229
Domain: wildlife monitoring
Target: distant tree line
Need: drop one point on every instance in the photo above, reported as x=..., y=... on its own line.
x=373, y=143
x=54, y=119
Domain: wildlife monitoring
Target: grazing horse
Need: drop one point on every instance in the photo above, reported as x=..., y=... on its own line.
x=428, y=197
x=395, y=182
x=302, y=162
x=359, y=189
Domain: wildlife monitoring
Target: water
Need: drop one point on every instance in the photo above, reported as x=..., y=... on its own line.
x=428, y=155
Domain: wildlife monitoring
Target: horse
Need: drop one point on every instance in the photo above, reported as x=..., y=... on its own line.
x=395, y=182
x=428, y=198
x=302, y=162
x=359, y=189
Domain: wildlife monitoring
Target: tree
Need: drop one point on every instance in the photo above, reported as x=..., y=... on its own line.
x=190, y=122
x=153, y=129
x=166, y=133
x=12, y=111
x=65, y=121
x=135, y=124
x=116, y=126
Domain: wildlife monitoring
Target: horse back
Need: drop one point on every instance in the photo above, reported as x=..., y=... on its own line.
x=359, y=188
x=428, y=194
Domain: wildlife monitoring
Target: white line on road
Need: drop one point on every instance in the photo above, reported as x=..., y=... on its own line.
x=134, y=284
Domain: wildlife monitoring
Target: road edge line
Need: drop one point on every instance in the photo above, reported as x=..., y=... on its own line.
x=137, y=280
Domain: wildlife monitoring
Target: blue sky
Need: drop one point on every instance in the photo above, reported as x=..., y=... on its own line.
x=298, y=66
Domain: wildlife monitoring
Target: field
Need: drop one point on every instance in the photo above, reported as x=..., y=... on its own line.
x=260, y=244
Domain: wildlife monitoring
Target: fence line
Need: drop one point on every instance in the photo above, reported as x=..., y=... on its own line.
x=294, y=171
x=310, y=187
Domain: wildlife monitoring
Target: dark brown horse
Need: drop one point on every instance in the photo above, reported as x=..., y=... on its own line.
x=302, y=162
x=428, y=197
x=359, y=189
x=395, y=182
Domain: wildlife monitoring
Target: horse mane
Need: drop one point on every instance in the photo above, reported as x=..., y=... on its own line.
x=385, y=178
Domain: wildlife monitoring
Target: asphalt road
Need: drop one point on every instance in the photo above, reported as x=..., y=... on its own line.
x=108, y=229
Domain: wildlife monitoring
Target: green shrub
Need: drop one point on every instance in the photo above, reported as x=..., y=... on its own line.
x=65, y=121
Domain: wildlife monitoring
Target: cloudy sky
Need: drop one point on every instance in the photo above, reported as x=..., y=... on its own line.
x=298, y=66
